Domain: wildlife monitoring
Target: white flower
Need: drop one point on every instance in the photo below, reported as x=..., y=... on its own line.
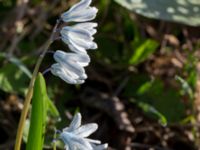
x=80, y=12
x=74, y=136
x=69, y=66
x=79, y=37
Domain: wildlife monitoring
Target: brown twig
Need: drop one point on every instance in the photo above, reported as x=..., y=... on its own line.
x=111, y=106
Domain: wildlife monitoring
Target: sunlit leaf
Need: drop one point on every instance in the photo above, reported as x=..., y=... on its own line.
x=150, y=109
x=38, y=115
x=143, y=52
x=185, y=87
x=181, y=11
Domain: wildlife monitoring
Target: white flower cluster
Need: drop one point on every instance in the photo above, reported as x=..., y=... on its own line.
x=79, y=38
x=69, y=67
x=75, y=136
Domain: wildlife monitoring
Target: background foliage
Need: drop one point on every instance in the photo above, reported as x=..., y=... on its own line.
x=143, y=82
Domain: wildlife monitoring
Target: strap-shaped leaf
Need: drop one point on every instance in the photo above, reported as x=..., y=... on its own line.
x=38, y=115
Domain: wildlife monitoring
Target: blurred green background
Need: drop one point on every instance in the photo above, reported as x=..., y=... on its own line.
x=143, y=81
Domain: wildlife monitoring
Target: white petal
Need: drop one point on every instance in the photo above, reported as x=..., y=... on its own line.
x=57, y=71
x=82, y=59
x=81, y=16
x=88, y=27
x=72, y=47
x=76, y=33
x=76, y=122
x=93, y=141
x=75, y=70
x=66, y=147
x=64, y=74
x=80, y=81
x=82, y=43
x=77, y=45
x=70, y=64
x=77, y=7
x=86, y=130
x=77, y=49
x=79, y=37
x=75, y=141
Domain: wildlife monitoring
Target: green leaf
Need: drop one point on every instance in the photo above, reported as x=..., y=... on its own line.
x=165, y=100
x=38, y=115
x=26, y=130
x=186, y=89
x=143, y=52
x=144, y=88
x=52, y=109
x=181, y=11
x=150, y=109
x=12, y=79
x=18, y=63
x=14, y=76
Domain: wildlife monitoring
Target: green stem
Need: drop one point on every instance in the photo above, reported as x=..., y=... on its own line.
x=54, y=146
x=30, y=92
x=54, y=143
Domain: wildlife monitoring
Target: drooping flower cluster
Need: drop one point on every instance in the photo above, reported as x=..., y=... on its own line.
x=79, y=38
x=75, y=136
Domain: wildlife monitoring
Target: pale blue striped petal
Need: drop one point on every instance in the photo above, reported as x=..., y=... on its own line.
x=80, y=12
x=62, y=72
x=69, y=64
x=75, y=138
x=86, y=130
x=89, y=26
x=81, y=59
x=76, y=122
x=82, y=15
x=73, y=142
x=77, y=7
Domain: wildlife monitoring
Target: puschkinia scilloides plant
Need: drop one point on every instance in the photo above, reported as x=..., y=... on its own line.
x=69, y=67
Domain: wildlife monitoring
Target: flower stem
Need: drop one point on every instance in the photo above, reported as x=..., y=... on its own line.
x=30, y=91
x=54, y=146
x=54, y=143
